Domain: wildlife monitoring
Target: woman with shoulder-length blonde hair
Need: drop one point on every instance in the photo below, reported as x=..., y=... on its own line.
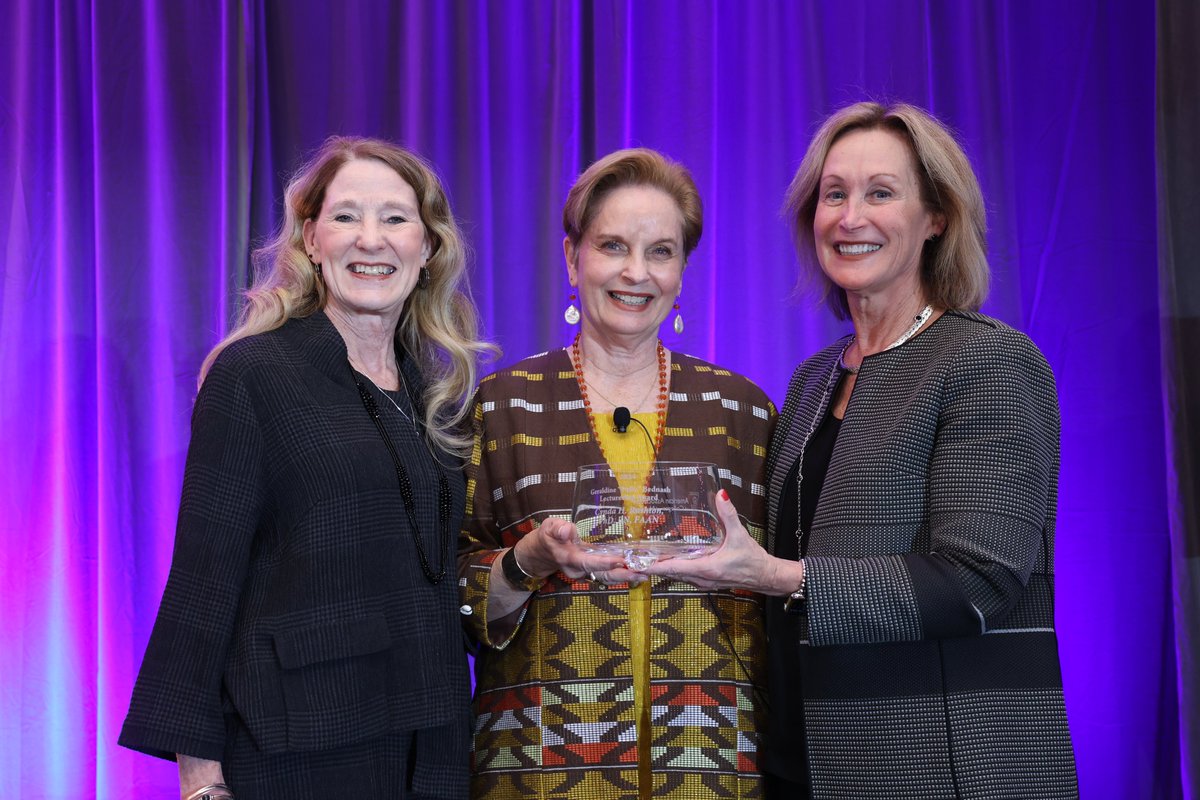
x=307, y=642
x=912, y=484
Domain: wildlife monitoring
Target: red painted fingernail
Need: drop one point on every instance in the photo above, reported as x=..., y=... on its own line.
x=724, y=495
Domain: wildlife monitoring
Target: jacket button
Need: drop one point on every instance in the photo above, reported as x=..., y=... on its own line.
x=465, y=610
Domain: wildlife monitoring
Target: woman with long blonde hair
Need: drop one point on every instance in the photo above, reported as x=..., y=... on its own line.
x=307, y=643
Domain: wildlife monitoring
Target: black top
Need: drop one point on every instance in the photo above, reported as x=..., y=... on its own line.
x=785, y=751
x=816, y=464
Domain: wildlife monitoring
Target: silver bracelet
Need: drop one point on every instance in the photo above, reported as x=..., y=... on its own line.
x=795, y=600
x=214, y=791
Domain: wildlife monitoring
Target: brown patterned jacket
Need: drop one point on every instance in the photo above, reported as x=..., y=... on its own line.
x=554, y=701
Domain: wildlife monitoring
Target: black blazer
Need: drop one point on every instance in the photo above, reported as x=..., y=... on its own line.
x=295, y=598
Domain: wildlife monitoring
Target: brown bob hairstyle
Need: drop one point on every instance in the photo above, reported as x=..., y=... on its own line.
x=633, y=167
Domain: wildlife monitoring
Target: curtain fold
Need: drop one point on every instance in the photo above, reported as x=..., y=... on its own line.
x=1178, y=119
x=144, y=147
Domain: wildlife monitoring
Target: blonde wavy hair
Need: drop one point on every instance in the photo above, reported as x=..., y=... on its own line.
x=954, y=266
x=440, y=324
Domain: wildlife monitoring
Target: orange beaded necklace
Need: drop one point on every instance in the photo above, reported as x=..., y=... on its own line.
x=663, y=394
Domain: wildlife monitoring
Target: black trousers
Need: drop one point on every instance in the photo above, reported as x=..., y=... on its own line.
x=777, y=788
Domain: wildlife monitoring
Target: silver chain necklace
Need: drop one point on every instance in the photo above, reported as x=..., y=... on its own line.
x=918, y=321
x=592, y=386
x=445, y=498
x=388, y=397
x=415, y=423
x=634, y=409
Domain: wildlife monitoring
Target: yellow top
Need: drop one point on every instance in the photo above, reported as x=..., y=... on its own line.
x=636, y=447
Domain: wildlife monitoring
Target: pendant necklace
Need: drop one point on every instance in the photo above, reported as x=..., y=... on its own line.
x=606, y=398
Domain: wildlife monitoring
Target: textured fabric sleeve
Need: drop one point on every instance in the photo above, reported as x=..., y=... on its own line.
x=990, y=473
x=177, y=705
x=753, y=509
x=995, y=461
x=479, y=545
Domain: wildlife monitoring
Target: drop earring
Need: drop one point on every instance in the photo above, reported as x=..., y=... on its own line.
x=424, y=278
x=571, y=315
x=678, y=319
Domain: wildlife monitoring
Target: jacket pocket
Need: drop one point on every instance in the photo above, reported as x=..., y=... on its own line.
x=334, y=681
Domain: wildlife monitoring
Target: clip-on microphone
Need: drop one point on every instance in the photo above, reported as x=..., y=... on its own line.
x=621, y=420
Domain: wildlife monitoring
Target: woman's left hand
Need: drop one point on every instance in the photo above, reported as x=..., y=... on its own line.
x=739, y=563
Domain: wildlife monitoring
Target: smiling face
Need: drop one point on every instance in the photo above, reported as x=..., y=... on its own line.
x=369, y=240
x=628, y=264
x=871, y=223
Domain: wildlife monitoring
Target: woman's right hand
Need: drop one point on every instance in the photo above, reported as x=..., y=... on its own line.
x=554, y=547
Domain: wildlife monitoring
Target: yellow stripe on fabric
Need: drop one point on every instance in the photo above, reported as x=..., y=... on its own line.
x=635, y=447
x=574, y=438
x=521, y=438
x=639, y=624
x=529, y=376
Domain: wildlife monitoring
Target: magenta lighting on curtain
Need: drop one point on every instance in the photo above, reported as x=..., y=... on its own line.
x=145, y=143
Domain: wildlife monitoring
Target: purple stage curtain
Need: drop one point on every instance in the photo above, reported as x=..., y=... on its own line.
x=1178, y=120
x=142, y=150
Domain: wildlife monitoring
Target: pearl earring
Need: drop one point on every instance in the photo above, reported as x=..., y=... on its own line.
x=571, y=315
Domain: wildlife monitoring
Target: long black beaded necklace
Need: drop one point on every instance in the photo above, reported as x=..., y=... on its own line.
x=406, y=492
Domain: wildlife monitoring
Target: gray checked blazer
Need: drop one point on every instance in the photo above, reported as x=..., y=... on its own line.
x=295, y=600
x=927, y=659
